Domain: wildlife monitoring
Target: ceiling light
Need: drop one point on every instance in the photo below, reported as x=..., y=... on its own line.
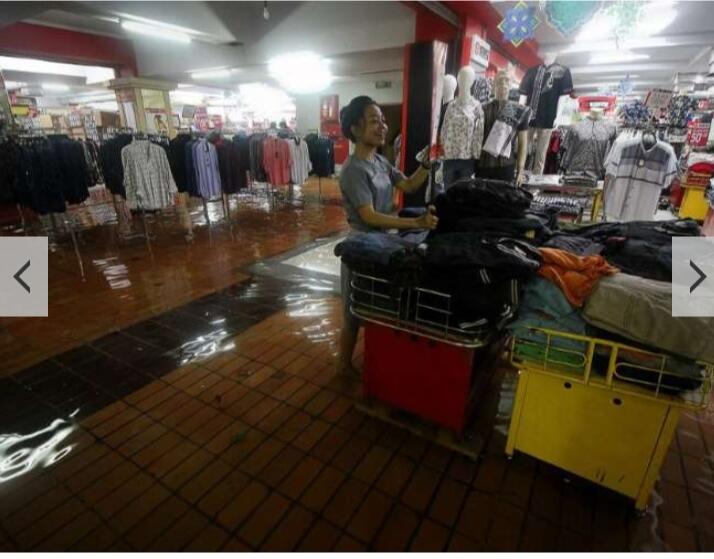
x=32, y=65
x=698, y=78
x=155, y=31
x=616, y=57
x=656, y=16
x=55, y=87
x=14, y=85
x=301, y=72
x=210, y=74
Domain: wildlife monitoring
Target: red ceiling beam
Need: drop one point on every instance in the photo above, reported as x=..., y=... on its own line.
x=62, y=45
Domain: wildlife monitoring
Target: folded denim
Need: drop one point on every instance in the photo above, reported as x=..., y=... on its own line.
x=380, y=249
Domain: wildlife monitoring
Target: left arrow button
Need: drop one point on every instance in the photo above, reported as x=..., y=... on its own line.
x=19, y=280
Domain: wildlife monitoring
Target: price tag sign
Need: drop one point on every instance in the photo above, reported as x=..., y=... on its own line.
x=698, y=134
x=659, y=98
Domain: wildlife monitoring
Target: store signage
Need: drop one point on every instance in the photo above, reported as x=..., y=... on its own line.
x=480, y=52
x=659, y=98
x=698, y=133
x=383, y=84
x=188, y=111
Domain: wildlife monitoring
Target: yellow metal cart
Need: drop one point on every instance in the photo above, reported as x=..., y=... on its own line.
x=601, y=410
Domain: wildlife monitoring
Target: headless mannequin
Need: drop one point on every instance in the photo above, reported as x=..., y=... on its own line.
x=502, y=84
x=455, y=169
x=540, y=137
x=449, y=89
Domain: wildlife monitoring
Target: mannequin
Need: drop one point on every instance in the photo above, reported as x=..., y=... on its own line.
x=541, y=89
x=462, y=130
x=494, y=162
x=449, y=89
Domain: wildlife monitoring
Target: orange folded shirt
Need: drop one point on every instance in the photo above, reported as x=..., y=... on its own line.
x=575, y=275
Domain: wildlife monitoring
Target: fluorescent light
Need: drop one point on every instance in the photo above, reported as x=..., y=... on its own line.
x=209, y=74
x=656, y=17
x=698, y=78
x=616, y=57
x=155, y=31
x=55, y=87
x=14, y=85
x=35, y=66
x=301, y=72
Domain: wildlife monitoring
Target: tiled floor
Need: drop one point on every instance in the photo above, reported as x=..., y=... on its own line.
x=205, y=414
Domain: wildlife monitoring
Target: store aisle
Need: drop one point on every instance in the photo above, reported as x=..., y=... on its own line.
x=126, y=283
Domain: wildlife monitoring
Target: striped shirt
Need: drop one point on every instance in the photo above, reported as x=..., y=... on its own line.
x=148, y=181
x=637, y=177
x=205, y=163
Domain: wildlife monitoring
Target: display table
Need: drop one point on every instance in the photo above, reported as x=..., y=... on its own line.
x=542, y=186
x=595, y=424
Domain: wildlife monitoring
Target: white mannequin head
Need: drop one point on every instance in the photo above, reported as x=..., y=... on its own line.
x=466, y=79
x=550, y=58
x=449, y=89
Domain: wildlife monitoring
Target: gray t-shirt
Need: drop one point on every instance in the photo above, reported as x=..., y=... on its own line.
x=367, y=182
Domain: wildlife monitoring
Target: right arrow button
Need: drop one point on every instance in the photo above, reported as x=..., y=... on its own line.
x=702, y=276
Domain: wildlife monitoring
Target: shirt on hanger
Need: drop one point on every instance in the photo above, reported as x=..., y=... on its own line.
x=148, y=180
x=638, y=176
x=462, y=130
x=277, y=160
x=544, y=85
x=206, y=170
x=586, y=146
x=300, y=166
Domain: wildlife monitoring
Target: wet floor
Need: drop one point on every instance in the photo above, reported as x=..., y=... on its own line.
x=197, y=408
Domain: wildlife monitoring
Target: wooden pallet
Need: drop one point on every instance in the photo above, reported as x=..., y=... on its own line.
x=470, y=445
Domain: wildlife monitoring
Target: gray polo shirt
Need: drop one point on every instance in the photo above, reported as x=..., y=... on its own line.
x=368, y=182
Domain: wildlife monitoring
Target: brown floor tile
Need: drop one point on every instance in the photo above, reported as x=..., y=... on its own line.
x=180, y=533
x=138, y=509
x=202, y=482
x=351, y=453
x=505, y=528
x=300, y=478
x=44, y=527
x=372, y=465
x=369, y=517
x=539, y=535
x=430, y=537
x=284, y=463
x=345, y=502
x=100, y=539
x=397, y=530
x=262, y=456
x=130, y=490
x=447, y=501
x=311, y=435
x=264, y=520
x=188, y=469
x=419, y=492
x=211, y=538
x=204, y=435
x=71, y=533
x=330, y=444
x=292, y=429
x=334, y=412
x=461, y=544
x=322, y=489
x=153, y=525
x=242, y=506
x=177, y=455
x=276, y=418
x=395, y=476
x=490, y=473
x=87, y=476
x=224, y=489
x=346, y=544
x=234, y=545
x=105, y=485
x=321, y=538
x=158, y=448
x=291, y=530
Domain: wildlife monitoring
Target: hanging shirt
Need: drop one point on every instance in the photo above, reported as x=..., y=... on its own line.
x=586, y=145
x=277, y=160
x=205, y=163
x=544, y=85
x=300, y=166
x=638, y=176
x=148, y=181
x=462, y=130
